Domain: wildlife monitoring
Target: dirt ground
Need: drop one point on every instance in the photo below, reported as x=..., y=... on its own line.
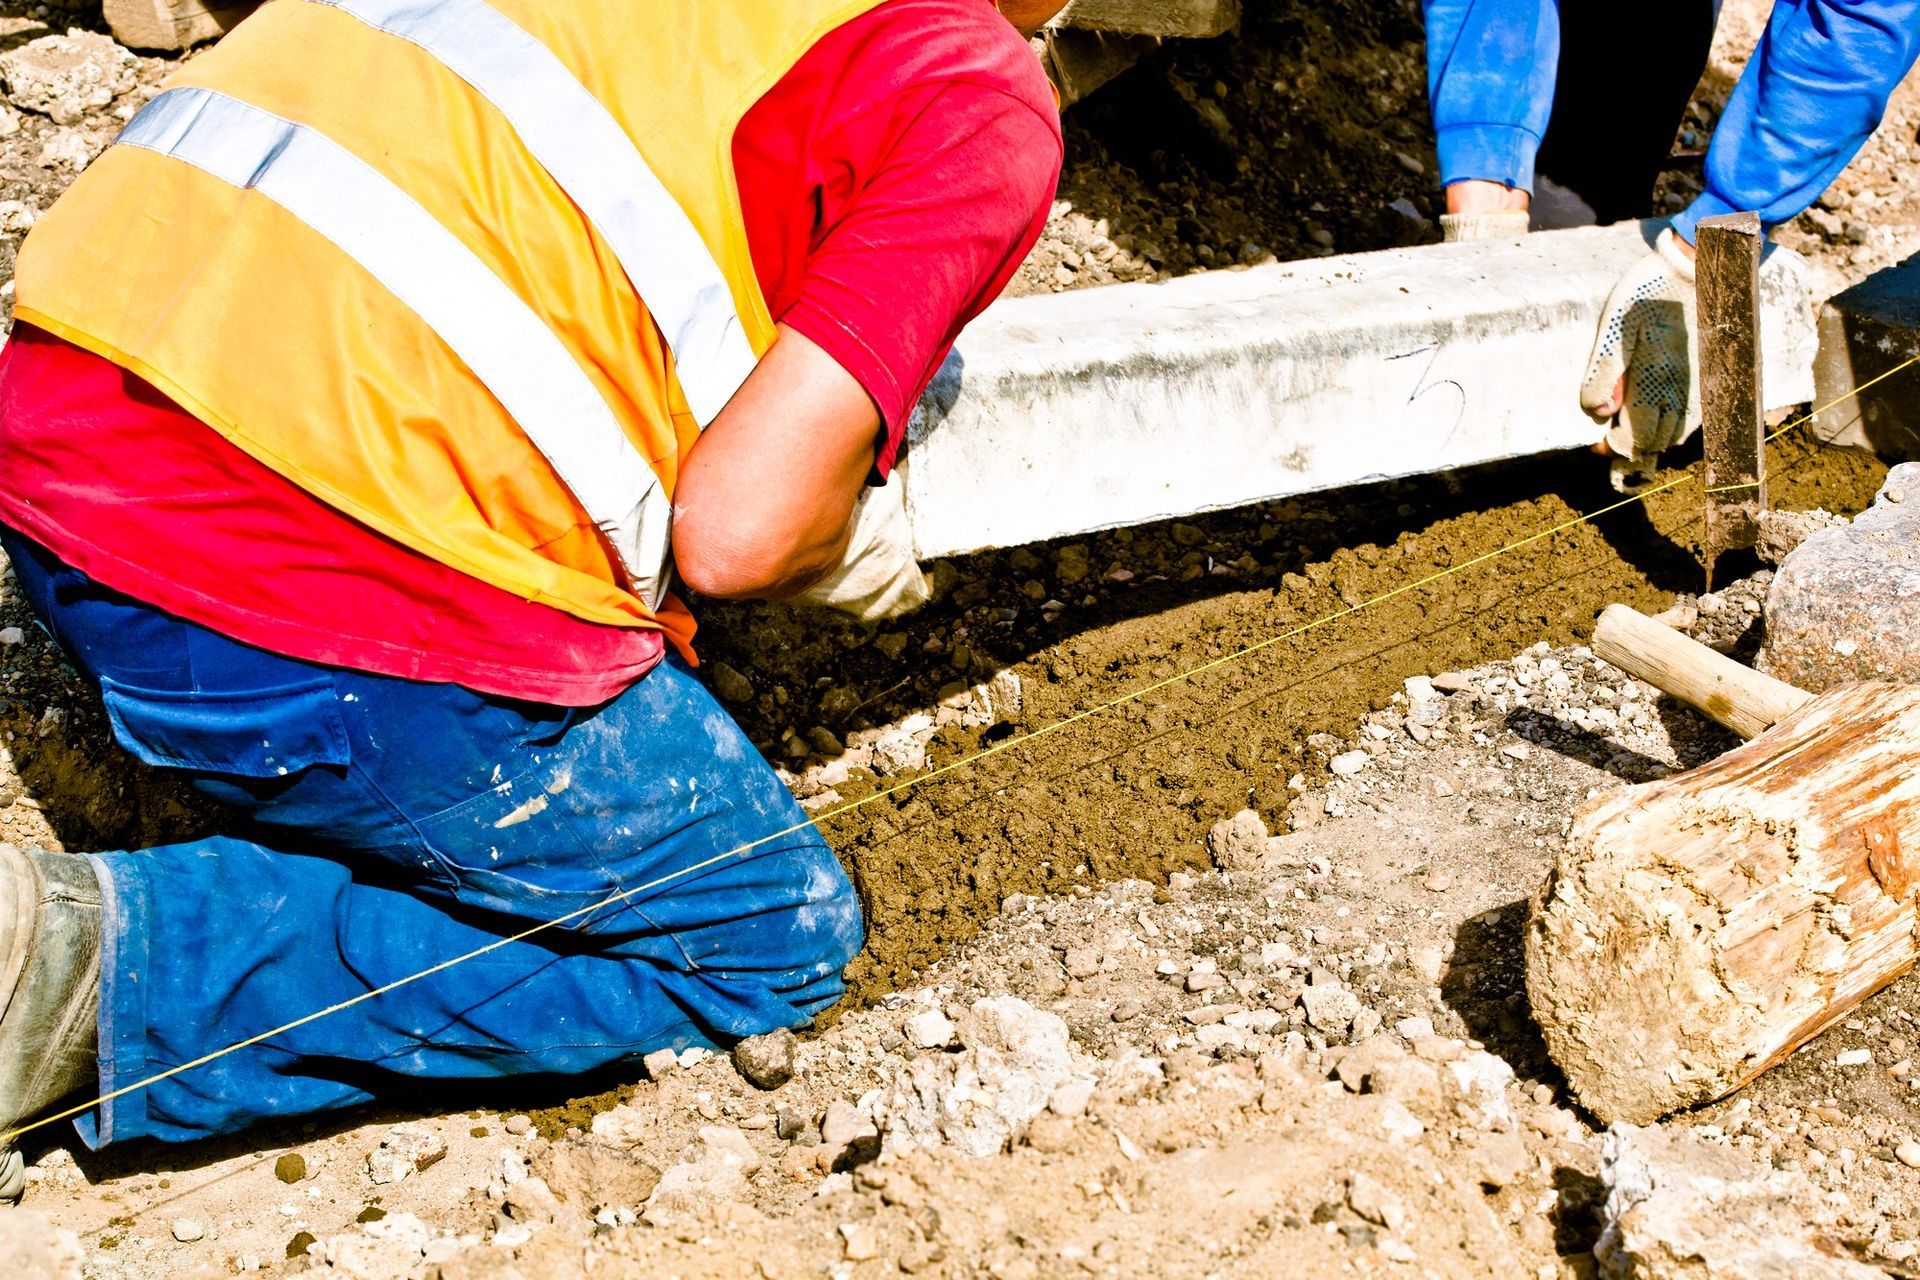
x=1322, y=1064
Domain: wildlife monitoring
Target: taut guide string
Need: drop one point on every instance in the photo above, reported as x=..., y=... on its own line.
x=952, y=766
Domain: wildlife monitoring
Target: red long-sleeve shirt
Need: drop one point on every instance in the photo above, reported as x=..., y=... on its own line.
x=891, y=183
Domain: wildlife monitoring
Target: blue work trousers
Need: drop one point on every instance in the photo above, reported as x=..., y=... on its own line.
x=385, y=826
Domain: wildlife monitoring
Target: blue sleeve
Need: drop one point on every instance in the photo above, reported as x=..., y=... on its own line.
x=1815, y=89
x=1490, y=74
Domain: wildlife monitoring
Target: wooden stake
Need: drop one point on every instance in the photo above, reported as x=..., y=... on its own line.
x=1727, y=283
x=1736, y=696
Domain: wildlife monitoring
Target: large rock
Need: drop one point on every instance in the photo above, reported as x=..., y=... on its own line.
x=67, y=76
x=1678, y=1208
x=594, y=1175
x=1845, y=605
x=1014, y=1058
x=718, y=1173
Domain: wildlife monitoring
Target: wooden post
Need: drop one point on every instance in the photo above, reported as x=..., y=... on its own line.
x=1727, y=283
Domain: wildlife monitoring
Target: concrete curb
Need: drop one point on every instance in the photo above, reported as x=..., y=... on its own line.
x=1866, y=331
x=1065, y=413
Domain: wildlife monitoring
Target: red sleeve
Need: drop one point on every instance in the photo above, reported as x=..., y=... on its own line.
x=933, y=236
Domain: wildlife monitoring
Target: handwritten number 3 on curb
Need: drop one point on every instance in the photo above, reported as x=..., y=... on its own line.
x=967, y=761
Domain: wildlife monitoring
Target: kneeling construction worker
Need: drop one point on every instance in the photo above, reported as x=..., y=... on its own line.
x=364, y=399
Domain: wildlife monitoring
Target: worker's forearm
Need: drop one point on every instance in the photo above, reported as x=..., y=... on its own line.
x=1816, y=88
x=741, y=560
x=762, y=503
x=1490, y=78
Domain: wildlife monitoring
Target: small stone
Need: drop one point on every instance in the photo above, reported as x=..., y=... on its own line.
x=1400, y=1124
x=731, y=685
x=1843, y=604
x=767, y=1061
x=10, y=636
x=1330, y=1008
x=860, y=1241
x=843, y=1124
x=1348, y=763
x=1238, y=843
x=1071, y=1098
x=407, y=1149
x=519, y=1126
x=1908, y=1154
x=1048, y=1133
x=1501, y=1159
x=1081, y=962
x=660, y=1063
x=1429, y=963
x=1453, y=682
x=1516, y=751
x=1853, y=1058
x=1438, y=882
x=187, y=1230
x=593, y=1175
x=290, y=1168
x=1370, y=1199
x=930, y=1029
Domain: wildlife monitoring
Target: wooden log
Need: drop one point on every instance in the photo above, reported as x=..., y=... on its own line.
x=172, y=24
x=1698, y=929
x=1725, y=691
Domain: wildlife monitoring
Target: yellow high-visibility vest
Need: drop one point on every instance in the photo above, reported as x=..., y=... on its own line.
x=473, y=272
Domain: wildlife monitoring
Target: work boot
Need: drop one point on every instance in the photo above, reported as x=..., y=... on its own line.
x=49, y=989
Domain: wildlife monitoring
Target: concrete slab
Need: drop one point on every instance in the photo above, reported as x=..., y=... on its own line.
x=1078, y=62
x=1864, y=332
x=1066, y=413
x=1152, y=17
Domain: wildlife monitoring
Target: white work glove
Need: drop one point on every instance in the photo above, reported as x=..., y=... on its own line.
x=1647, y=335
x=878, y=577
x=1500, y=224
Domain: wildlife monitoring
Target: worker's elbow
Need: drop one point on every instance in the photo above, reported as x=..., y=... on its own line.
x=723, y=565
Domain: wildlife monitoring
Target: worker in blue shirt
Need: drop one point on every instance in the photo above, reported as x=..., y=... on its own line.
x=1815, y=88
x=1526, y=87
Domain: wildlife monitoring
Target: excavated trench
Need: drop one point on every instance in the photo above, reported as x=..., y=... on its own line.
x=1131, y=791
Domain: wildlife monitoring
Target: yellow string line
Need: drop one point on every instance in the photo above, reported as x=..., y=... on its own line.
x=966, y=761
x=1809, y=417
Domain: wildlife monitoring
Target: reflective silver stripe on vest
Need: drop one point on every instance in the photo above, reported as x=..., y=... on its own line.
x=596, y=163
x=428, y=269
